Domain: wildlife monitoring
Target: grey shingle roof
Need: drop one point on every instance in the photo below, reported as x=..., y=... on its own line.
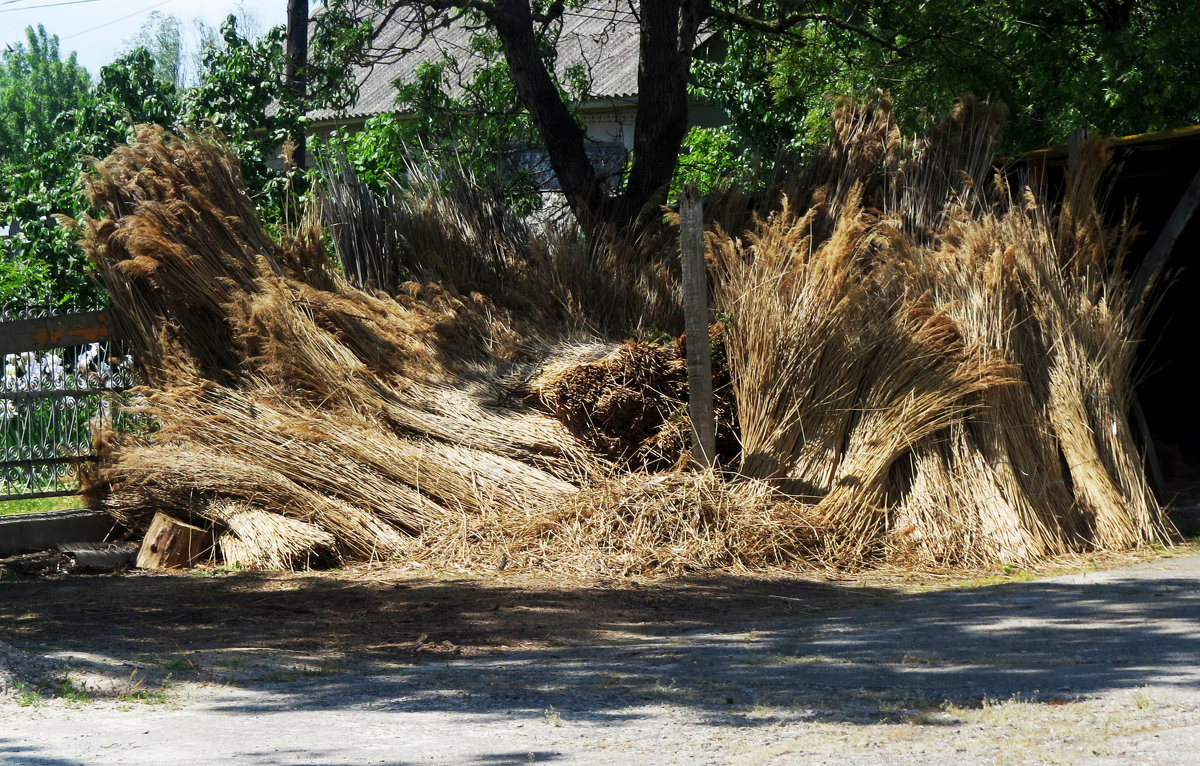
x=602, y=35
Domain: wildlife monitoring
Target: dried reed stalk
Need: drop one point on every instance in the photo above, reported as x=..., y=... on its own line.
x=258, y=539
x=647, y=524
x=922, y=374
x=275, y=384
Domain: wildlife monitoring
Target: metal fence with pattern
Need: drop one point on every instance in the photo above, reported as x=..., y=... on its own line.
x=64, y=374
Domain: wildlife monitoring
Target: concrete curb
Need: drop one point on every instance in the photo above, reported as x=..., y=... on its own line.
x=27, y=532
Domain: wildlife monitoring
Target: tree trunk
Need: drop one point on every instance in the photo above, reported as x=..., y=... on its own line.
x=563, y=136
x=668, y=35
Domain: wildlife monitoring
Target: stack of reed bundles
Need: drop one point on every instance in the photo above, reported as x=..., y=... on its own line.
x=925, y=366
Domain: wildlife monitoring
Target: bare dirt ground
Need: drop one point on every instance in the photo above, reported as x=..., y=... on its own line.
x=394, y=665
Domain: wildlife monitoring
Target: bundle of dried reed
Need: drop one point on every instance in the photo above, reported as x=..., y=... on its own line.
x=922, y=369
x=924, y=365
x=276, y=386
x=630, y=404
x=258, y=539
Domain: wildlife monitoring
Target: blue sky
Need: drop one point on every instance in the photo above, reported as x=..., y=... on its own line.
x=98, y=29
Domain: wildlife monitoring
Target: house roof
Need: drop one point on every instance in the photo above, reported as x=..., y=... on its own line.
x=602, y=35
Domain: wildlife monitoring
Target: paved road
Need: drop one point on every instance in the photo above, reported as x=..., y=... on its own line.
x=1096, y=668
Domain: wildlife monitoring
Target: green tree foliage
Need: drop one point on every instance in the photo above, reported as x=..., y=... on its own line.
x=482, y=128
x=39, y=95
x=36, y=86
x=42, y=264
x=1113, y=66
x=132, y=91
x=714, y=160
x=241, y=95
x=161, y=37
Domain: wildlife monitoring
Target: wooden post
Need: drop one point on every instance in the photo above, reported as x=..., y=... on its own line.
x=695, y=325
x=1075, y=143
x=1156, y=259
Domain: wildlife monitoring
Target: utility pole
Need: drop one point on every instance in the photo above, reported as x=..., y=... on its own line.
x=297, y=60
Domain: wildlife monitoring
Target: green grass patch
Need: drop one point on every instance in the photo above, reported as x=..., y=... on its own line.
x=64, y=689
x=39, y=505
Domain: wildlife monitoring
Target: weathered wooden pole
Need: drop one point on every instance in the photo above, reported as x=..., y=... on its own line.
x=695, y=324
x=297, y=60
x=1156, y=259
x=1075, y=141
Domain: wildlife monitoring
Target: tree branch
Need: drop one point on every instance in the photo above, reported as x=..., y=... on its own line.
x=784, y=26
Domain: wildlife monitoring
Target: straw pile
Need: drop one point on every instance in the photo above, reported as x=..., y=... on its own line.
x=279, y=389
x=641, y=524
x=943, y=368
x=915, y=364
x=630, y=405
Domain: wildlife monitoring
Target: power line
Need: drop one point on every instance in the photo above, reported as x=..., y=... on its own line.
x=44, y=5
x=114, y=21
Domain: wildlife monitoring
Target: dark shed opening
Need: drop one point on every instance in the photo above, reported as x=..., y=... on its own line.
x=1151, y=176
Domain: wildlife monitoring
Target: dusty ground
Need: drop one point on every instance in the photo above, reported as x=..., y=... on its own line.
x=391, y=665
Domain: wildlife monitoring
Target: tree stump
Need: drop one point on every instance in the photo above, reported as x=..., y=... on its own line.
x=170, y=543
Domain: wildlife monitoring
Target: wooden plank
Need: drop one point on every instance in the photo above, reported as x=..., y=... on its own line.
x=695, y=325
x=60, y=331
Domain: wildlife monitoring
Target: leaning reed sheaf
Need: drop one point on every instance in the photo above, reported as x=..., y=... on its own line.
x=275, y=385
x=943, y=364
x=926, y=365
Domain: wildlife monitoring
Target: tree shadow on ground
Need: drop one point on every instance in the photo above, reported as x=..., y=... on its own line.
x=741, y=651
x=16, y=753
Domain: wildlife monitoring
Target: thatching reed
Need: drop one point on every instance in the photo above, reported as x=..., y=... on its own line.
x=924, y=360
x=630, y=404
x=921, y=365
x=273, y=383
x=640, y=524
x=440, y=227
x=259, y=539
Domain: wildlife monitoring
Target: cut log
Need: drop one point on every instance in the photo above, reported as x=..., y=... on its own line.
x=170, y=543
